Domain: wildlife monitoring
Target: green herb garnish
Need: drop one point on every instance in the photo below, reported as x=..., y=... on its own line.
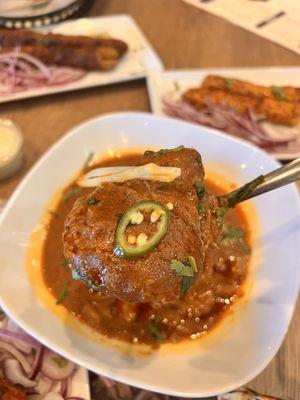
x=163, y=151
x=60, y=361
x=186, y=271
x=200, y=188
x=228, y=83
x=53, y=213
x=279, y=93
x=176, y=86
x=72, y=192
x=182, y=269
x=192, y=262
x=155, y=332
x=62, y=295
x=187, y=282
x=234, y=235
x=220, y=212
x=233, y=198
x=64, y=263
x=92, y=200
x=88, y=160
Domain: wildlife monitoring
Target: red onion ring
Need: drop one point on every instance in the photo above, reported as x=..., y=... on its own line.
x=51, y=370
x=20, y=71
x=22, y=337
x=38, y=363
x=246, y=126
x=17, y=355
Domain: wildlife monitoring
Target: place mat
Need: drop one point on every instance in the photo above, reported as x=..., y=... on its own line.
x=276, y=20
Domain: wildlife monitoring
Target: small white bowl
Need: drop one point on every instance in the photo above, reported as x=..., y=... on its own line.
x=11, y=148
x=252, y=336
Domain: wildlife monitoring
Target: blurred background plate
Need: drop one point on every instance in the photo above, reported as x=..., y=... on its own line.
x=36, y=13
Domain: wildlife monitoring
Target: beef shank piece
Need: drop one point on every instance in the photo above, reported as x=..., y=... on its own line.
x=89, y=235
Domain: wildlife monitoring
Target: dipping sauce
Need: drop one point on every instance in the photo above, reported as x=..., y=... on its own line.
x=11, y=142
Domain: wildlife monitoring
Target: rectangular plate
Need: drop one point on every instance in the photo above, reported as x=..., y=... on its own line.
x=140, y=58
x=160, y=83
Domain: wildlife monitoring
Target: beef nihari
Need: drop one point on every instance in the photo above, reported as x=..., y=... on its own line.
x=151, y=254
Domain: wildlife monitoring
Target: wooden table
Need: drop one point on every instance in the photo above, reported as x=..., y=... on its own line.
x=184, y=37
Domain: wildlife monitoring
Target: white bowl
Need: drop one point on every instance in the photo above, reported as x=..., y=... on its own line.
x=257, y=329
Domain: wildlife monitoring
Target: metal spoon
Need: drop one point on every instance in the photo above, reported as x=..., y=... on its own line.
x=279, y=177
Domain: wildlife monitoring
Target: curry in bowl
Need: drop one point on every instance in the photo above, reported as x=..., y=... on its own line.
x=144, y=249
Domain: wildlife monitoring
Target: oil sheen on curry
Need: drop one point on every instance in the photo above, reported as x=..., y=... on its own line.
x=146, y=254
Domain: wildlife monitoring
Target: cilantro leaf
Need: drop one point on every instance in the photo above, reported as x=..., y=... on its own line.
x=187, y=282
x=88, y=160
x=72, y=192
x=62, y=295
x=92, y=200
x=279, y=93
x=182, y=269
x=60, y=361
x=155, y=332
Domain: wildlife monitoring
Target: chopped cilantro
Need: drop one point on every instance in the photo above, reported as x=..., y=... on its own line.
x=155, y=332
x=220, y=212
x=70, y=193
x=239, y=195
x=192, y=262
x=92, y=200
x=279, y=93
x=187, y=282
x=187, y=273
x=60, y=361
x=62, y=295
x=182, y=269
x=200, y=188
x=53, y=213
x=163, y=151
x=88, y=160
x=228, y=83
x=234, y=235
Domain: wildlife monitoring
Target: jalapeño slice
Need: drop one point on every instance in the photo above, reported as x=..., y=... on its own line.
x=127, y=250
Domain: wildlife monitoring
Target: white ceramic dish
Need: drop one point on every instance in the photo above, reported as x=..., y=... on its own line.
x=160, y=83
x=139, y=59
x=259, y=326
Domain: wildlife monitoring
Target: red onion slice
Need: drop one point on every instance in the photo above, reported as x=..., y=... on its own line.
x=14, y=373
x=246, y=126
x=19, y=337
x=56, y=367
x=20, y=71
x=38, y=362
x=17, y=355
x=53, y=396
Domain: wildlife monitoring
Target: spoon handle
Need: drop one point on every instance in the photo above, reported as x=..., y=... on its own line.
x=279, y=177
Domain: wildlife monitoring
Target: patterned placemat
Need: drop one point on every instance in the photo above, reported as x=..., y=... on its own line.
x=276, y=20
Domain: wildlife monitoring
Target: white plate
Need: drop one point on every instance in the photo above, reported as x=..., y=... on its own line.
x=139, y=59
x=258, y=327
x=163, y=82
